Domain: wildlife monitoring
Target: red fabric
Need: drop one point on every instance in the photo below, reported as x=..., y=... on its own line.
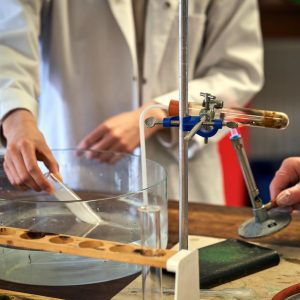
x=233, y=181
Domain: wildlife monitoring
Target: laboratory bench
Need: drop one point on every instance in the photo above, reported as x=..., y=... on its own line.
x=204, y=219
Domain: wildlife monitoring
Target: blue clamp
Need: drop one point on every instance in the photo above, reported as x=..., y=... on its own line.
x=190, y=121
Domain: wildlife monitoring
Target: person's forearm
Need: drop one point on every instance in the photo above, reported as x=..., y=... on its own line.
x=15, y=117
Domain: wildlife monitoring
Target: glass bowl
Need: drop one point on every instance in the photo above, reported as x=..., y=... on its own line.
x=111, y=192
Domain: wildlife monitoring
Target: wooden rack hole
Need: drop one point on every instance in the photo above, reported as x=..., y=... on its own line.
x=122, y=249
x=61, y=239
x=91, y=244
x=150, y=252
x=35, y=235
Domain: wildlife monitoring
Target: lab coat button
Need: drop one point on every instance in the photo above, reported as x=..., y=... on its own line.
x=144, y=81
x=167, y=4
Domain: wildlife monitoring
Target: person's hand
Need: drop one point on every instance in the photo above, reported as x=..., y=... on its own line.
x=285, y=186
x=25, y=145
x=119, y=133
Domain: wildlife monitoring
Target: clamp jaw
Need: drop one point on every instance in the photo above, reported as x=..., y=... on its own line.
x=206, y=124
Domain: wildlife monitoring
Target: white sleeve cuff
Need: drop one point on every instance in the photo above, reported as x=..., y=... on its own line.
x=12, y=99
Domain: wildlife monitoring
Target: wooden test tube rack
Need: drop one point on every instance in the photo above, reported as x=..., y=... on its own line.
x=183, y=263
x=80, y=246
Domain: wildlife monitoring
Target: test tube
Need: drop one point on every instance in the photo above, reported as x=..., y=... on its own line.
x=241, y=115
x=76, y=205
x=150, y=237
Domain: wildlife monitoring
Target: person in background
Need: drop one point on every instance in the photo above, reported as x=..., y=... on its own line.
x=285, y=187
x=78, y=74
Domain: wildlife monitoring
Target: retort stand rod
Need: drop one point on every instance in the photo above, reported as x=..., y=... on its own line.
x=183, y=110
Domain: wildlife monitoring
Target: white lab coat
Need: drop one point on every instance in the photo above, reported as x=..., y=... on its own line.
x=89, y=69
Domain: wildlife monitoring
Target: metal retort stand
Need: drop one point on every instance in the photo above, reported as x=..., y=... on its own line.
x=183, y=112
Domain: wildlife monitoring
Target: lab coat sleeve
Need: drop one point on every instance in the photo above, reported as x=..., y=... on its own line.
x=230, y=61
x=19, y=55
